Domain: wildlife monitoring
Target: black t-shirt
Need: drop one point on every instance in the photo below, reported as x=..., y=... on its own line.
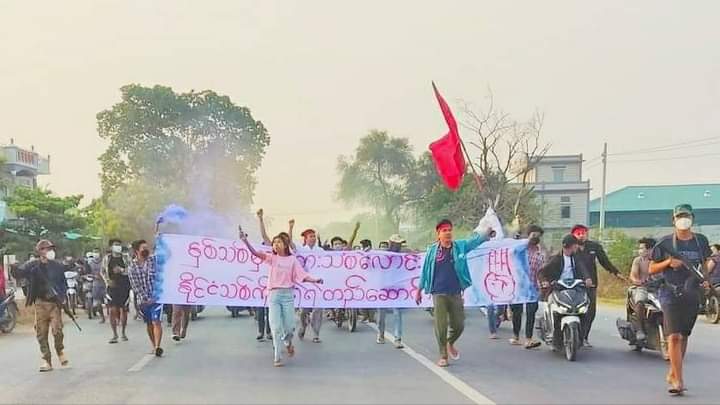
x=121, y=280
x=445, y=279
x=695, y=251
x=41, y=289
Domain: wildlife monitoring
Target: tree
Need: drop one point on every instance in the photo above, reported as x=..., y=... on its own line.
x=199, y=141
x=508, y=151
x=465, y=207
x=377, y=175
x=42, y=215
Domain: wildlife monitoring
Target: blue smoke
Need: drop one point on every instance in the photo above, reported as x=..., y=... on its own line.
x=173, y=214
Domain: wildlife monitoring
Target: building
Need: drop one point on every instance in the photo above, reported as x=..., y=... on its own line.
x=561, y=193
x=647, y=210
x=20, y=168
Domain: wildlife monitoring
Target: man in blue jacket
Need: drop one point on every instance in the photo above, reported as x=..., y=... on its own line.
x=445, y=275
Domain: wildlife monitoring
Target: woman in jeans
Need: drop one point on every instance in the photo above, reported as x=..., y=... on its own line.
x=285, y=271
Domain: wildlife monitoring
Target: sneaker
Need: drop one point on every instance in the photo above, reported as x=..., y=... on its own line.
x=493, y=336
x=124, y=338
x=176, y=338
x=45, y=366
x=113, y=340
x=159, y=352
x=63, y=359
x=260, y=337
x=380, y=340
x=398, y=344
x=587, y=344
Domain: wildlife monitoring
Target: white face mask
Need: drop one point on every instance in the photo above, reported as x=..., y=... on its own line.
x=683, y=224
x=50, y=255
x=117, y=249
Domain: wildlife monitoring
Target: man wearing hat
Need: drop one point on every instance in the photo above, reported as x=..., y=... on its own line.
x=47, y=291
x=589, y=253
x=677, y=257
x=395, y=244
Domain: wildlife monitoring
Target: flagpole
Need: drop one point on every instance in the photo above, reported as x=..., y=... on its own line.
x=472, y=166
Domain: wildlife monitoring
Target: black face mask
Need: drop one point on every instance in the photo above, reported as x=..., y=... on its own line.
x=145, y=253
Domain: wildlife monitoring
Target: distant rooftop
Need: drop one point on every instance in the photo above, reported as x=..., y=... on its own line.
x=660, y=198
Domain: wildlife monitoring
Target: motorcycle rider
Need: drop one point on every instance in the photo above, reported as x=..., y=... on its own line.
x=639, y=275
x=47, y=291
x=565, y=265
x=591, y=252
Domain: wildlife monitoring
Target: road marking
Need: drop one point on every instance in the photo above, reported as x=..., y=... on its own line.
x=471, y=393
x=142, y=363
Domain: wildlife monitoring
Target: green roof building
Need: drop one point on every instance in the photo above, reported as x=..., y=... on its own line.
x=647, y=210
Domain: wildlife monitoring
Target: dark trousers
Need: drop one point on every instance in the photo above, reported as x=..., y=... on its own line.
x=589, y=318
x=263, y=321
x=517, y=312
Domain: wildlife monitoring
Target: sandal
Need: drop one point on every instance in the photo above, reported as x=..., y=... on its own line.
x=317, y=340
x=515, y=342
x=278, y=363
x=291, y=351
x=113, y=340
x=442, y=363
x=677, y=391
x=532, y=344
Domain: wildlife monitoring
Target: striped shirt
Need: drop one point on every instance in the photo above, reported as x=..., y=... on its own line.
x=142, y=278
x=536, y=259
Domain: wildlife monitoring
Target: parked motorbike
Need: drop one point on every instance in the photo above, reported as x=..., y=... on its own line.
x=8, y=312
x=560, y=325
x=653, y=324
x=71, y=281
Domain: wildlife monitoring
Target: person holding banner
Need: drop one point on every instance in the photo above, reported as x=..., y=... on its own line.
x=395, y=244
x=308, y=316
x=536, y=260
x=285, y=271
x=445, y=275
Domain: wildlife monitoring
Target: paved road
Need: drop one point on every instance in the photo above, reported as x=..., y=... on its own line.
x=222, y=363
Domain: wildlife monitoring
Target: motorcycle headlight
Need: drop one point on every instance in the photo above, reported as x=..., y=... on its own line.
x=583, y=309
x=561, y=309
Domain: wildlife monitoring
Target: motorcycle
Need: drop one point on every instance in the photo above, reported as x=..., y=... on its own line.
x=72, y=284
x=712, y=312
x=653, y=324
x=8, y=312
x=560, y=325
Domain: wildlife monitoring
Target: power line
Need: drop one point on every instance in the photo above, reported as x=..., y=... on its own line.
x=665, y=158
x=675, y=146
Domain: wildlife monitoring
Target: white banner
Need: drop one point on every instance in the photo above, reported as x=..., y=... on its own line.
x=210, y=271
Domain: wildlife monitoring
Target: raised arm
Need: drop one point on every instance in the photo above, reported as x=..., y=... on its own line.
x=263, y=231
x=260, y=255
x=291, y=227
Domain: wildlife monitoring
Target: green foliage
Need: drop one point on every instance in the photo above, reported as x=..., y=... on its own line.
x=377, y=175
x=41, y=215
x=199, y=139
x=197, y=149
x=621, y=250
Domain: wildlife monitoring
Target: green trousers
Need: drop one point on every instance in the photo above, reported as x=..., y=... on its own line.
x=449, y=320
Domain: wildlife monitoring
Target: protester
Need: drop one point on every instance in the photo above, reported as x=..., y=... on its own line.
x=115, y=274
x=639, y=275
x=495, y=315
x=180, y=321
x=536, y=260
x=565, y=265
x=285, y=270
x=714, y=265
x=309, y=316
x=677, y=256
x=445, y=275
x=142, y=272
x=99, y=288
x=383, y=245
x=395, y=244
x=47, y=292
x=590, y=252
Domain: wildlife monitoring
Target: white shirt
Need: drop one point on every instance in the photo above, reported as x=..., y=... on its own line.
x=308, y=249
x=567, y=273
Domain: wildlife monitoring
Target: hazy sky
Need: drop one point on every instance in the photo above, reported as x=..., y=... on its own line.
x=320, y=74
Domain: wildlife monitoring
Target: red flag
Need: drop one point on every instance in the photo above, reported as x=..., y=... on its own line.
x=446, y=151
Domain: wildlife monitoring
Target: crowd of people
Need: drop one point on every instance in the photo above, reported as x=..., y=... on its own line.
x=676, y=259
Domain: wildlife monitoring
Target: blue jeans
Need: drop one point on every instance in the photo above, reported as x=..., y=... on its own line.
x=282, y=319
x=492, y=315
x=397, y=330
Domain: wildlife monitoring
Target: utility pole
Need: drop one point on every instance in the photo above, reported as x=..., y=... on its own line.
x=602, y=197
